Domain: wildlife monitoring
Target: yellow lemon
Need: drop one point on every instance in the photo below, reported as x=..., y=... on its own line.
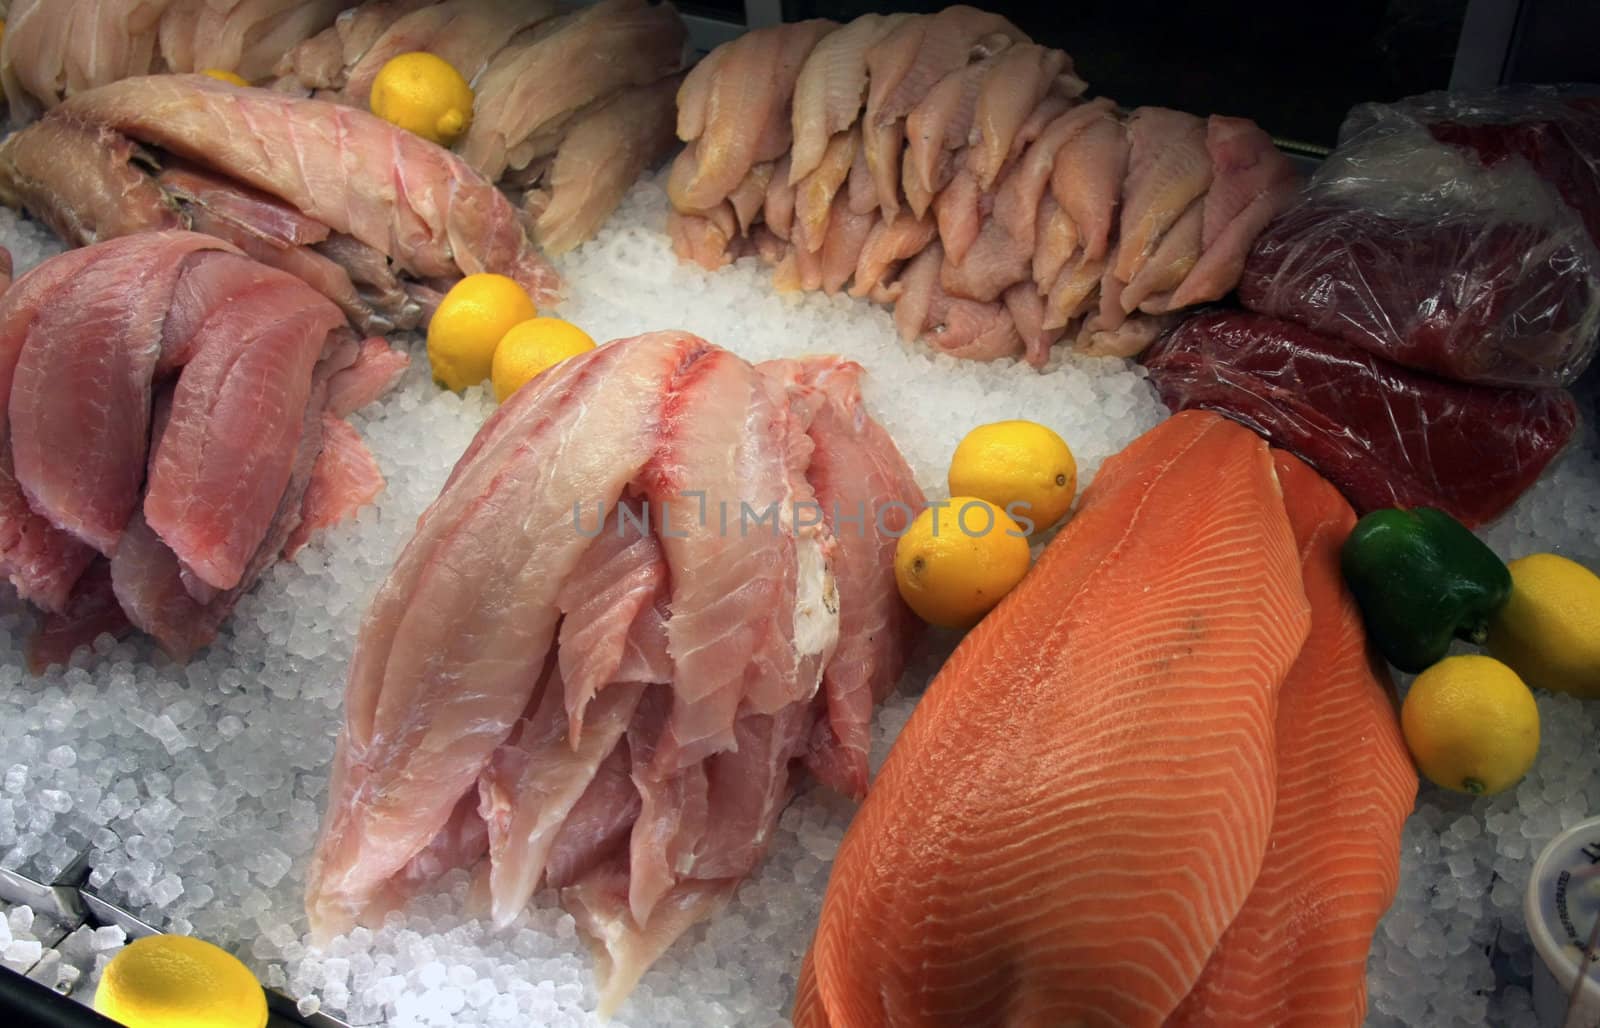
x=957, y=560
x=1549, y=629
x=1471, y=725
x=1021, y=467
x=533, y=347
x=173, y=981
x=472, y=318
x=423, y=93
x=226, y=76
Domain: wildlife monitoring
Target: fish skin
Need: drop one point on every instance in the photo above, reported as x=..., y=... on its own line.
x=601, y=156
x=832, y=89
x=746, y=109
x=1059, y=724
x=1168, y=169
x=1296, y=955
x=418, y=645
x=419, y=204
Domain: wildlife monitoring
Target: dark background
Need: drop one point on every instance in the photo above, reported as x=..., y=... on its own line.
x=1295, y=67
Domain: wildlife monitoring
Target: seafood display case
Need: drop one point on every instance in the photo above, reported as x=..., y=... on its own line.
x=440, y=666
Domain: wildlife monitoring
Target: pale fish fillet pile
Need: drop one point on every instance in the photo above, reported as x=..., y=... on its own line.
x=947, y=165
x=657, y=585
x=572, y=103
x=376, y=219
x=171, y=423
x=1162, y=783
x=55, y=48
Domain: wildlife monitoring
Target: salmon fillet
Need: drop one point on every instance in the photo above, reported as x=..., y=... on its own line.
x=1052, y=784
x=1297, y=952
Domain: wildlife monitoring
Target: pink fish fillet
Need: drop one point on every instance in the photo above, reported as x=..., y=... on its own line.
x=993, y=263
x=597, y=826
x=887, y=246
x=344, y=479
x=533, y=781
x=39, y=559
x=80, y=399
x=747, y=108
x=1251, y=182
x=531, y=86
x=936, y=127
x=1028, y=311
x=1022, y=77
x=747, y=597
x=243, y=36
x=376, y=370
x=322, y=61
x=417, y=203
x=1087, y=180
x=54, y=48
x=464, y=33
x=846, y=240
x=869, y=495
x=1016, y=204
x=224, y=461
x=91, y=612
x=831, y=89
x=1167, y=267
x=812, y=198
x=901, y=69
x=450, y=651
x=601, y=156
x=1168, y=169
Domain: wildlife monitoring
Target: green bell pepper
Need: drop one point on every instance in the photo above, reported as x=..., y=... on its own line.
x=1422, y=579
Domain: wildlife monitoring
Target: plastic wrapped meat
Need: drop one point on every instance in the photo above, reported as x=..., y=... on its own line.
x=1385, y=435
x=1453, y=235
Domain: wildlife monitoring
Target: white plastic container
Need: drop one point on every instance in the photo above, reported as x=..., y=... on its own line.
x=1562, y=904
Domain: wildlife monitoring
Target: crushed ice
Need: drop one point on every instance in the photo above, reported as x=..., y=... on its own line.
x=197, y=790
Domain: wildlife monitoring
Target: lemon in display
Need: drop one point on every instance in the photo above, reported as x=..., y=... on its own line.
x=531, y=348
x=958, y=560
x=1022, y=467
x=174, y=981
x=1549, y=629
x=1471, y=725
x=226, y=76
x=424, y=94
x=471, y=320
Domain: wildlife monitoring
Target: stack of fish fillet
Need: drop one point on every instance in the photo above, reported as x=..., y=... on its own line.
x=947, y=165
x=171, y=422
x=571, y=104
x=1162, y=784
x=615, y=692
x=373, y=217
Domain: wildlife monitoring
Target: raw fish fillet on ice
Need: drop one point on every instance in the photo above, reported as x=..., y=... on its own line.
x=1297, y=953
x=56, y=48
x=166, y=406
x=1385, y=435
x=395, y=193
x=627, y=682
x=532, y=87
x=1080, y=804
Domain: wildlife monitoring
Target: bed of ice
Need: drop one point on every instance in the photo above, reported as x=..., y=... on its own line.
x=197, y=790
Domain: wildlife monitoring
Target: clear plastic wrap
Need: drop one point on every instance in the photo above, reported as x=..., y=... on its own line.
x=1385, y=435
x=1452, y=234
